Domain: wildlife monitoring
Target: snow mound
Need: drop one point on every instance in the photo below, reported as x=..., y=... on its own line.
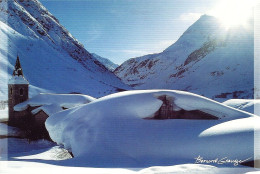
x=111, y=131
x=184, y=168
x=53, y=153
x=249, y=105
x=51, y=102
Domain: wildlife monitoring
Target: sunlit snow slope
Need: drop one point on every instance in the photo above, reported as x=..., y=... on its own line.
x=51, y=58
x=208, y=59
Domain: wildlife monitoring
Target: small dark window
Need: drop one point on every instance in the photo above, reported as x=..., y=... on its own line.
x=21, y=91
x=11, y=91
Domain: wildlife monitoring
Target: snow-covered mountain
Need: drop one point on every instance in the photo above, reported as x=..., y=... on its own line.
x=51, y=58
x=208, y=59
x=106, y=62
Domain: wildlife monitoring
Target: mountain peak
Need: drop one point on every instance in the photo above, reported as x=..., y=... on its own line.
x=53, y=60
x=207, y=59
x=197, y=33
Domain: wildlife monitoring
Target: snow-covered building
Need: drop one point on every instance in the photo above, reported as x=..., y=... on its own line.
x=30, y=114
x=115, y=131
x=168, y=110
x=18, y=92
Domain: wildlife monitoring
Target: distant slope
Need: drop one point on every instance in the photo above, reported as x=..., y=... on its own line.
x=207, y=59
x=52, y=59
x=106, y=62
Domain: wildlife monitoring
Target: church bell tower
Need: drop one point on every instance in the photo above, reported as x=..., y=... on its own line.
x=17, y=93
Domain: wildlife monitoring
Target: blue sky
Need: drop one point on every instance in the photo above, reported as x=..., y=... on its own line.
x=122, y=29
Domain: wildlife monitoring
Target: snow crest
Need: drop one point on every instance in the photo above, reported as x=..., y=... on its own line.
x=18, y=80
x=111, y=131
x=50, y=102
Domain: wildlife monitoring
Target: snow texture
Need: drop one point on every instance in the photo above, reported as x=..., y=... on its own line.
x=46, y=157
x=248, y=105
x=31, y=167
x=51, y=58
x=18, y=80
x=48, y=109
x=112, y=131
x=52, y=103
x=8, y=130
x=4, y=114
x=108, y=64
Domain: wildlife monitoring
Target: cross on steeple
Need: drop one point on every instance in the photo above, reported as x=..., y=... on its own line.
x=18, y=71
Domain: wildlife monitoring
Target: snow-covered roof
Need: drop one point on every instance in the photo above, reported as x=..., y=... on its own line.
x=130, y=140
x=18, y=80
x=48, y=109
x=52, y=103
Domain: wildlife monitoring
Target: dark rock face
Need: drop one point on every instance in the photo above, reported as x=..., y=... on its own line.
x=200, y=53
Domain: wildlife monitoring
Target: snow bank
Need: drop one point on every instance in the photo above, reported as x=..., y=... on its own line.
x=8, y=167
x=194, y=169
x=6, y=130
x=51, y=102
x=110, y=131
x=14, y=167
x=20, y=147
x=248, y=105
x=4, y=114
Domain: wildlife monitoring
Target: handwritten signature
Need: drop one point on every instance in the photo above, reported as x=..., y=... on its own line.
x=225, y=160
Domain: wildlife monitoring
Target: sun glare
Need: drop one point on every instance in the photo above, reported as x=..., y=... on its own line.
x=234, y=12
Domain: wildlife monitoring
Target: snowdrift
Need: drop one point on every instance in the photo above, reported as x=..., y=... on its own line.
x=249, y=105
x=112, y=131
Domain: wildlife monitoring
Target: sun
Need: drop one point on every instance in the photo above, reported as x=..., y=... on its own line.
x=233, y=13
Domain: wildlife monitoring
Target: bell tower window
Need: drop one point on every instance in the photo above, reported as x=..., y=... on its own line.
x=21, y=91
x=11, y=91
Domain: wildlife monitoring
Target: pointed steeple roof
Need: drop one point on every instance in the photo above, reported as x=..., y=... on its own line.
x=18, y=77
x=18, y=71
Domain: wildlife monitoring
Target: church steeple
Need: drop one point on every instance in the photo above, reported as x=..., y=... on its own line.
x=18, y=71
x=18, y=92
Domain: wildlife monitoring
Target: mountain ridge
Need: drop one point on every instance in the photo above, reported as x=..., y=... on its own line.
x=106, y=62
x=199, y=61
x=52, y=59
